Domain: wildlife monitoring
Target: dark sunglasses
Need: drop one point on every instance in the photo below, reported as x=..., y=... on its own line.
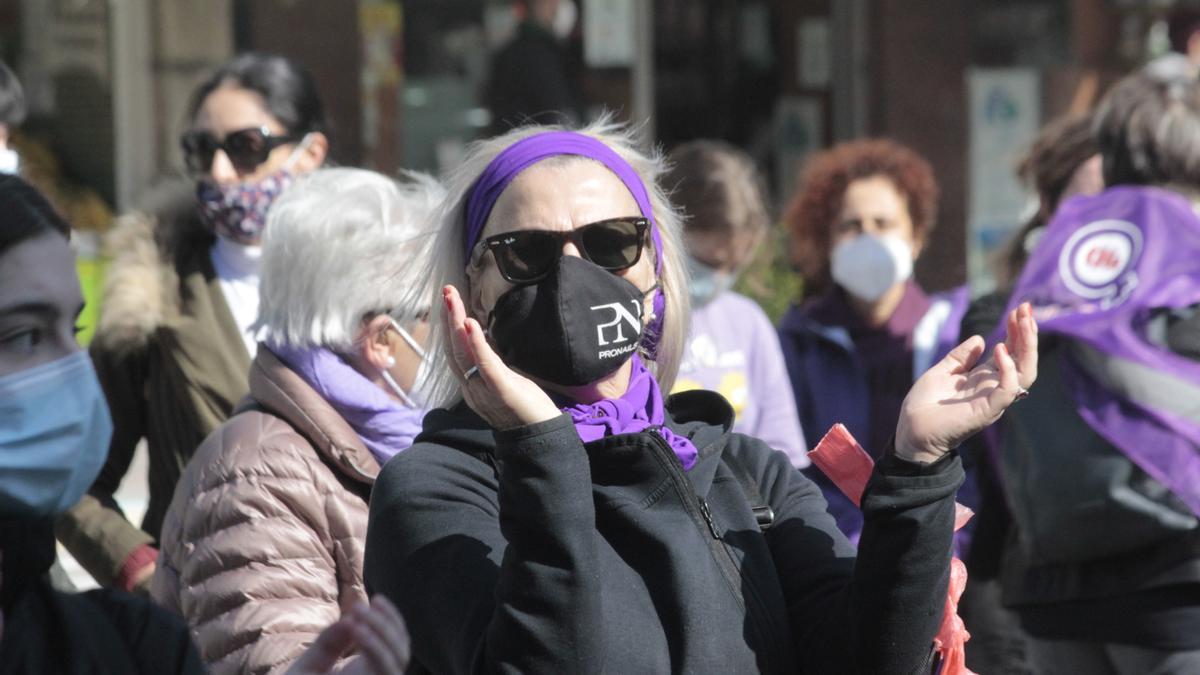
x=527, y=256
x=245, y=148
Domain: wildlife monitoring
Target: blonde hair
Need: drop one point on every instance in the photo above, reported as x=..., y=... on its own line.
x=448, y=263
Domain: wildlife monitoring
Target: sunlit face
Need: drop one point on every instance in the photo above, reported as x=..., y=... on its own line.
x=230, y=108
x=874, y=206
x=40, y=301
x=557, y=195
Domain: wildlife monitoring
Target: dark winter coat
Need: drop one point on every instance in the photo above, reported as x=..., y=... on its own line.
x=529, y=551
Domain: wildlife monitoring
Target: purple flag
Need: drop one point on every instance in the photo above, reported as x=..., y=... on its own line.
x=1104, y=263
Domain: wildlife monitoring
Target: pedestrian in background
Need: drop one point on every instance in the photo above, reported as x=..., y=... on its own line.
x=732, y=347
x=1100, y=466
x=531, y=77
x=1063, y=162
x=865, y=329
x=175, y=335
x=262, y=546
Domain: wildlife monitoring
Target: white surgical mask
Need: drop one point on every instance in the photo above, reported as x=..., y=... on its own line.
x=10, y=162
x=54, y=435
x=706, y=282
x=407, y=397
x=868, y=265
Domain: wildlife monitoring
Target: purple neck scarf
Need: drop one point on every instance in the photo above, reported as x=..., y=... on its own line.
x=529, y=151
x=1102, y=265
x=385, y=426
x=640, y=407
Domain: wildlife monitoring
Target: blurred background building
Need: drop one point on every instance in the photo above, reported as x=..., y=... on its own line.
x=966, y=83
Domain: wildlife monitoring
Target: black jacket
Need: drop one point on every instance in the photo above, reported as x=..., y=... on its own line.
x=526, y=550
x=531, y=81
x=103, y=631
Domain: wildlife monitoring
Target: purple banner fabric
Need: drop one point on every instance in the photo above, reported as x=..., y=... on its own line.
x=532, y=149
x=1103, y=264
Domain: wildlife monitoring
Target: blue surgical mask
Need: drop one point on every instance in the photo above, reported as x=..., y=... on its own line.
x=706, y=282
x=54, y=435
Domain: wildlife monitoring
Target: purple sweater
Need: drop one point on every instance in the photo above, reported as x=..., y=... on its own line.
x=734, y=350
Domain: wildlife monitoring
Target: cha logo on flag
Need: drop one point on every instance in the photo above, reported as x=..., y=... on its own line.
x=1098, y=261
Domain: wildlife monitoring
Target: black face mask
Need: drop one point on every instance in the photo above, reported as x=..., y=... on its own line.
x=575, y=326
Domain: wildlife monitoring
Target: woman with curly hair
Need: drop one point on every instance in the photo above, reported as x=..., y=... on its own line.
x=864, y=330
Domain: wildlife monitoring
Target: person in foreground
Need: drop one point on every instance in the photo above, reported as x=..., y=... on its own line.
x=560, y=515
x=53, y=442
x=331, y=400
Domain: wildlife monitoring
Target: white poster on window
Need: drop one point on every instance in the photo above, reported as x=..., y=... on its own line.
x=609, y=33
x=1004, y=118
x=814, y=64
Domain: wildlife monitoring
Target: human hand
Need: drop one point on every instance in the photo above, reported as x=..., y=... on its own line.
x=956, y=398
x=142, y=579
x=376, y=631
x=500, y=395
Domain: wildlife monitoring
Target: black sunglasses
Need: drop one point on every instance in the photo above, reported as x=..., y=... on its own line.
x=527, y=256
x=246, y=148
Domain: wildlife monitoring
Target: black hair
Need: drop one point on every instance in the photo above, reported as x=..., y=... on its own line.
x=1181, y=25
x=287, y=88
x=25, y=214
x=12, y=98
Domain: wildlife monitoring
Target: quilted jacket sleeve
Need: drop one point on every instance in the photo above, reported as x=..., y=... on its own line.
x=252, y=546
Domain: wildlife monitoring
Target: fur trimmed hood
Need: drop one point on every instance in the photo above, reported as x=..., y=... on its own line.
x=146, y=249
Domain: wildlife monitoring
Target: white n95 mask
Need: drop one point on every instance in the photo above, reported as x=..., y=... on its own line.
x=868, y=265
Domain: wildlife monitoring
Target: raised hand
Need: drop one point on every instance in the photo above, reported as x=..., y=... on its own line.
x=957, y=398
x=500, y=395
x=376, y=632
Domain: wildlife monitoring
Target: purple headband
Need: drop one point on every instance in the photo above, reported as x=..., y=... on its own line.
x=532, y=149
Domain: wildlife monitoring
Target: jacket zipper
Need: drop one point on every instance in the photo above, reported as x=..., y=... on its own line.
x=696, y=504
x=698, y=509
x=926, y=667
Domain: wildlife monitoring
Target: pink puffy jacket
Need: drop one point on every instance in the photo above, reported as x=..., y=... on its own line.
x=262, y=546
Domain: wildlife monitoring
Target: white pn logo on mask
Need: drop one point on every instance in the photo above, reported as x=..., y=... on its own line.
x=620, y=316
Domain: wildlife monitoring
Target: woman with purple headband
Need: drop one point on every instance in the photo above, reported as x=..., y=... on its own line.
x=560, y=514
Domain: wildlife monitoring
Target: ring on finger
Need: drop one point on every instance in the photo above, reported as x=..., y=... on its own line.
x=473, y=371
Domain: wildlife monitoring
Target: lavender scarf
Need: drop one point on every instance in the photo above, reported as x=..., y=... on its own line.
x=1103, y=264
x=641, y=405
x=385, y=426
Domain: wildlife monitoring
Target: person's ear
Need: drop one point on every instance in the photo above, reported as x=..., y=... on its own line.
x=375, y=345
x=312, y=152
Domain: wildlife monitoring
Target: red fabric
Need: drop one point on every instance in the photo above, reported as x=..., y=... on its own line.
x=849, y=467
x=136, y=562
x=844, y=461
